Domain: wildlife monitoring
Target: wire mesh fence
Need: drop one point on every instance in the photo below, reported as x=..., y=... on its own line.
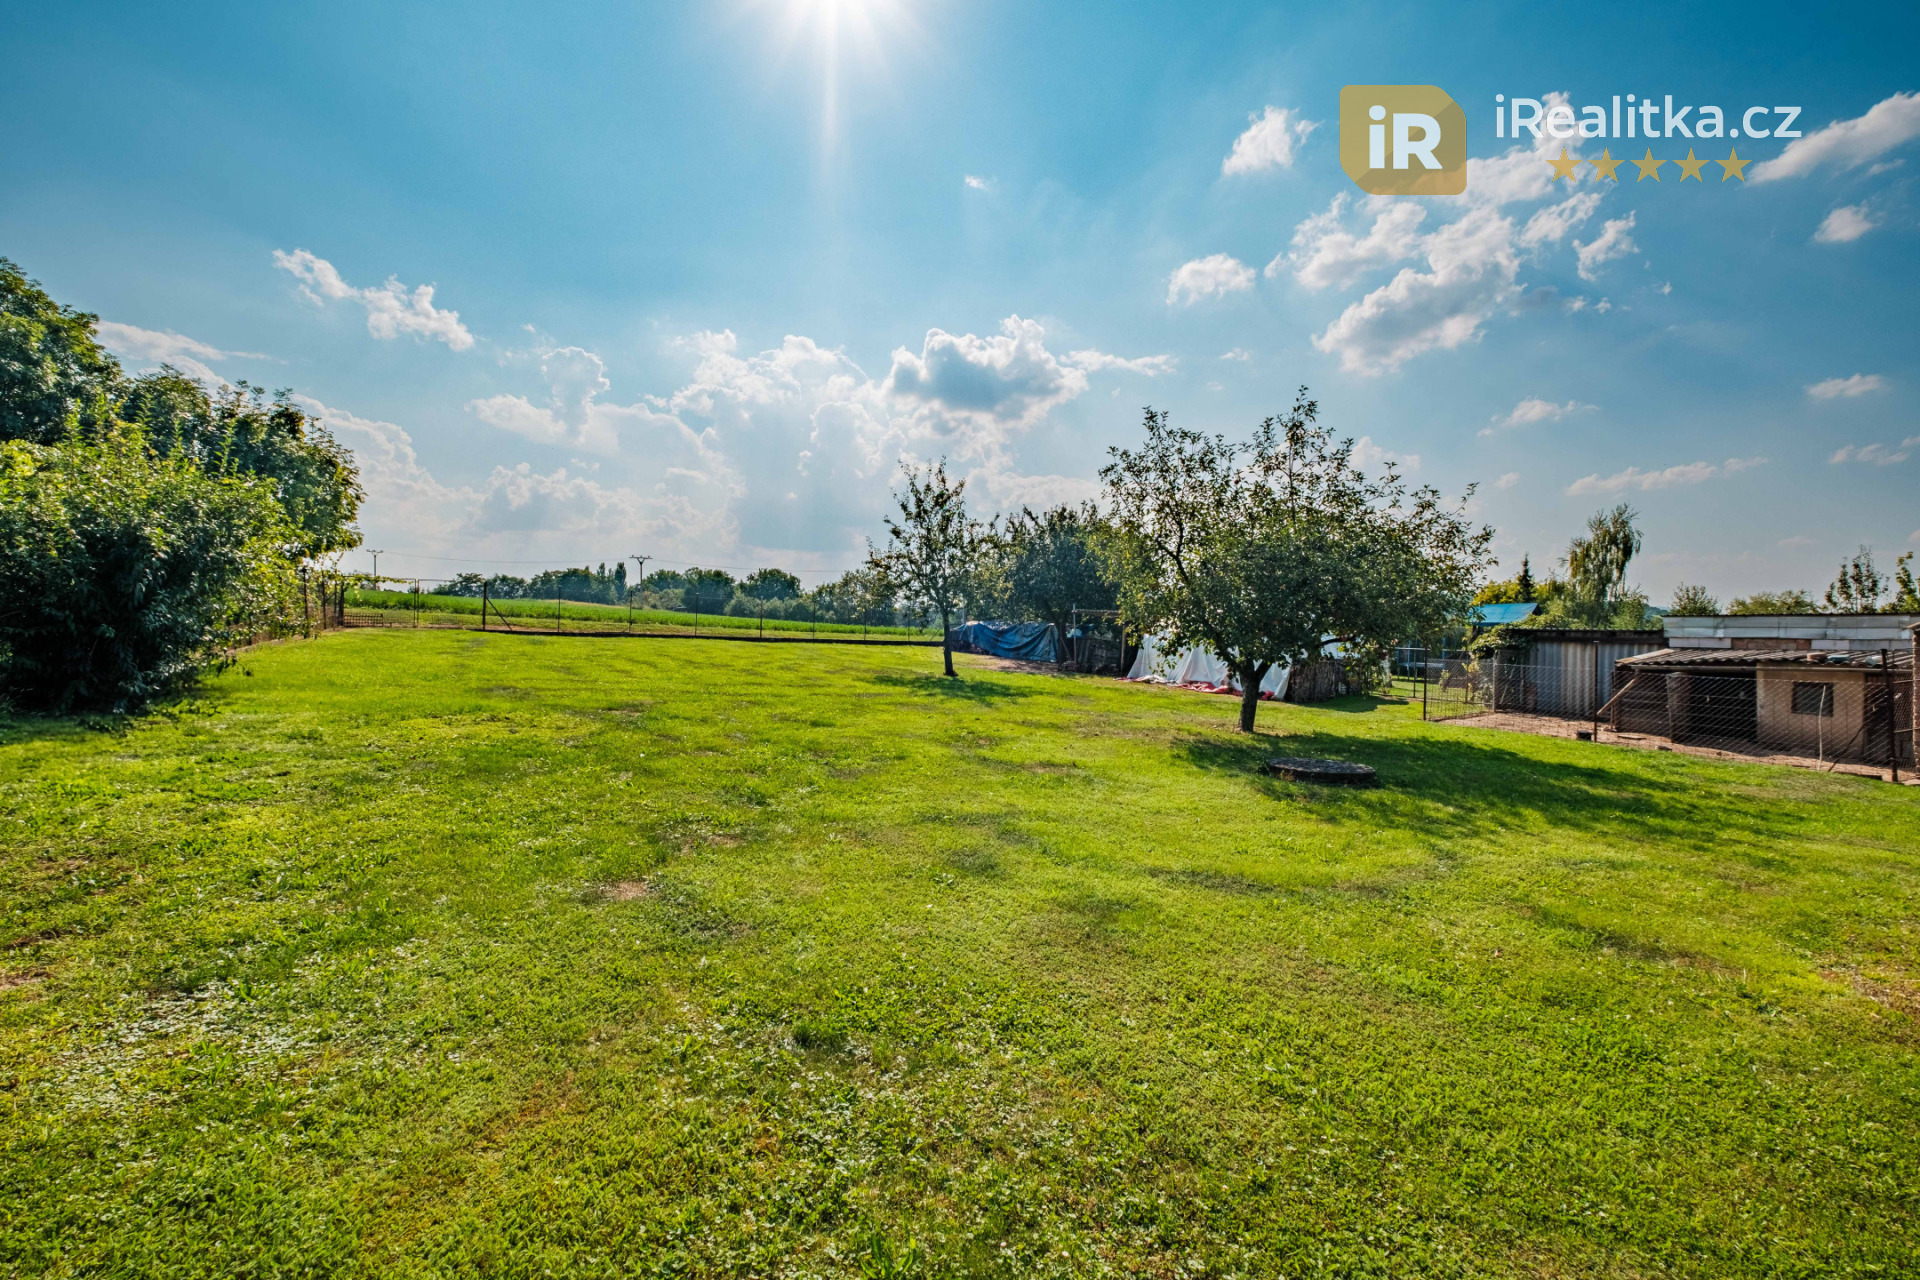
x=357, y=603
x=1836, y=709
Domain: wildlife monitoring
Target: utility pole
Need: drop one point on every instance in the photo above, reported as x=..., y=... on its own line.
x=376, y=566
x=641, y=563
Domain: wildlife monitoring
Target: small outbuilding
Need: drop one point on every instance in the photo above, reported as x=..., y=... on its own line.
x=1843, y=704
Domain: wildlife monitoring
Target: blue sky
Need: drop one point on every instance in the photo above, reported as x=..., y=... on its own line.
x=701, y=274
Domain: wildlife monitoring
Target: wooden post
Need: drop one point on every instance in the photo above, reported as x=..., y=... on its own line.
x=1893, y=738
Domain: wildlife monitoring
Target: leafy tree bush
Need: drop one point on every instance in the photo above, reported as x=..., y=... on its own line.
x=1041, y=566
x=237, y=430
x=1263, y=552
x=933, y=549
x=1764, y=602
x=1692, y=602
x=1858, y=587
x=54, y=377
x=771, y=584
x=123, y=575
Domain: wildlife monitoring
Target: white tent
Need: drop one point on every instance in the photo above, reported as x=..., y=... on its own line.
x=1195, y=666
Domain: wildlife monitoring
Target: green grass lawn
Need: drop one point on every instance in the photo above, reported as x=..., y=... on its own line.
x=441, y=953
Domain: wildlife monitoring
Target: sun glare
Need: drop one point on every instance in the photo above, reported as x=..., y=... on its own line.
x=844, y=38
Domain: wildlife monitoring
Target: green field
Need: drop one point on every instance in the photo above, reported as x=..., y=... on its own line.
x=401, y=608
x=441, y=953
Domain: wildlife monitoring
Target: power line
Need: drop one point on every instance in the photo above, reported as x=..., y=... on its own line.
x=677, y=564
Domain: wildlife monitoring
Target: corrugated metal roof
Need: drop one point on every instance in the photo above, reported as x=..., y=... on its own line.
x=1855, y=658
x=1496, y=615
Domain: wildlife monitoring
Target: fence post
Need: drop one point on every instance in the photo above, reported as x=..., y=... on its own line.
x=1893, y=737
x=1425, y=672
x=483, y=606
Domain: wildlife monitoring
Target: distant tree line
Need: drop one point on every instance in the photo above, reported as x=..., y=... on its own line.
x=147, y=524
x=1594, y=593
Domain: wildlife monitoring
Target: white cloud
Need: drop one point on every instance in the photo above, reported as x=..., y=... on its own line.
x=130, y=342
x=1847, y=388
x=1532, y=410
x=573, y=415
x=1368, y=454
x=1612, y=242
x=391, y=310
x=1686, y=473
x=1797, y=540
x=785, y=455
x=1848, y=144
x=1238, y=353
x=1519, y=173
x=1099, y=361
x=1210, y=277
x=1473, y=269
x=517, y=512
x=1507, y=481
x=1325, y=253
x=1473, y=262
x=1847, y=223
x=1551, y=224
x=977, y=183
x=1008, y=379
x=1884, y=455
x=1268, y=143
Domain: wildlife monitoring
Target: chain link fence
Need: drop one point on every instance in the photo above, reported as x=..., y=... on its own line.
x=415, y=603
x=1851, y=711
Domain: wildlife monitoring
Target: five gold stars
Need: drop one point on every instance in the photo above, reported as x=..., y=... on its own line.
x=1568, y=166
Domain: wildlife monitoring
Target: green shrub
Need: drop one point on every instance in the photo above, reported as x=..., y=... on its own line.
x=124, y=575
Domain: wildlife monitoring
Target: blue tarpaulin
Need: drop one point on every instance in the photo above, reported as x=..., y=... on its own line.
x=1027, y=641
x=1493, y=615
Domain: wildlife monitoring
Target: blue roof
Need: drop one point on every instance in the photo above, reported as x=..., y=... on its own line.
x=1494, y=615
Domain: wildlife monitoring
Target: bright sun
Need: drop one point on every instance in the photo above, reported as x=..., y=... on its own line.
x=841, y=35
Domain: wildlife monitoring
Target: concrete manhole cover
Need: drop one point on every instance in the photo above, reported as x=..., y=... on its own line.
x=1340, y=773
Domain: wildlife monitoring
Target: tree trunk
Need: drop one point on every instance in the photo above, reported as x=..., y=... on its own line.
x=1250, y=675
x=946, y=641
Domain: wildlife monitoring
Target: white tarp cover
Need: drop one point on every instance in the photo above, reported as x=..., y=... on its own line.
x=1195, y=666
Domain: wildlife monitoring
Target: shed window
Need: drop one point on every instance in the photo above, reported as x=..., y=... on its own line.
x=1811, y=698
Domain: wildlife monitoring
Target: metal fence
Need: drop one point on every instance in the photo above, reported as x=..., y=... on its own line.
x=1853, y=715
x=417, y=604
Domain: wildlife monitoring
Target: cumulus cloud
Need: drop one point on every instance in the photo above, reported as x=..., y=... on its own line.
x=1326, y=253
x=1472, y=271
x=1368, y=454
x=1238, y=353
x=573, y=414
x=1612, y=242
x=1532, y=410
x=1096, y=361
x=1210, y=277
x=1507, y=481
x=1268, y=143
x=785, y=454
x=1847, y=144
x=1686, y=473
x=1846, y=224
x=391, y=309
x=1859, y=384
x=132, y=343
x=516, y=511
x=1472, y=262
x=1884, y=455
x=977, y=183
x=1551, y=224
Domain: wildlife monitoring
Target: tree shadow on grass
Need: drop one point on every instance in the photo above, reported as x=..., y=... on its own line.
x=964, y=689
x=1456, y=787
